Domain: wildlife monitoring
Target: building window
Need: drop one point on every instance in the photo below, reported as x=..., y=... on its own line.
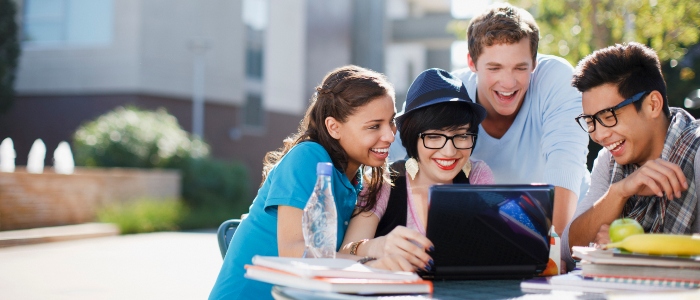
x=67, y=22
x=254, y=60
x=254, y=114
x=255, y=18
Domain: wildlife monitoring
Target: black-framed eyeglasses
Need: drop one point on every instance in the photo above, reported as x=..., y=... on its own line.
x=438, y=140
x=606, y=117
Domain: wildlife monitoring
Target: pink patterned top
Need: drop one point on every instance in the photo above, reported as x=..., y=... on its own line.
x=479, y=174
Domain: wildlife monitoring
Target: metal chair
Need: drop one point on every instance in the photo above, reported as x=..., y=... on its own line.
x=225, y=233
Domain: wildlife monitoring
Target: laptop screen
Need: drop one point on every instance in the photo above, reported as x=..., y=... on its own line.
x=489, y=231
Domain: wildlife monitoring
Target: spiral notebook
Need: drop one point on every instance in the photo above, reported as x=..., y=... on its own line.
x=489, y=231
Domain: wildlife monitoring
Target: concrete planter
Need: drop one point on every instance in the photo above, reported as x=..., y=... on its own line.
x=49, y=199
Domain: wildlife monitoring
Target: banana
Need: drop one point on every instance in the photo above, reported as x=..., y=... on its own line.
x=660, y=244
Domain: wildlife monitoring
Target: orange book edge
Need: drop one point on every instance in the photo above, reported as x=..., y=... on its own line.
x=350, y=280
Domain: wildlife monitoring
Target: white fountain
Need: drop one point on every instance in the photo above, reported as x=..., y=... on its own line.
x=63, y=159
x=37, y=154
x=7, y=156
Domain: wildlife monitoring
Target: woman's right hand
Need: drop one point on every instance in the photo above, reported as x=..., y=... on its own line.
x=406, y=243
x=392, y=263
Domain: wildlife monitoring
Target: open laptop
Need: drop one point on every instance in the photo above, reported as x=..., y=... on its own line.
x=489, y=231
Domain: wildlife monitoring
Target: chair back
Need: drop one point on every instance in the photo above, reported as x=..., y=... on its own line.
x=225, y=233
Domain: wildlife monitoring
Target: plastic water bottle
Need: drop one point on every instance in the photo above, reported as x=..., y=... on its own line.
x=320, y=219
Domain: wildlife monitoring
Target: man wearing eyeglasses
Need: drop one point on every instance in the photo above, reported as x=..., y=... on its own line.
x=648, y=165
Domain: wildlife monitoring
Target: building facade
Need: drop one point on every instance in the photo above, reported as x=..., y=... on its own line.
x=239, y=73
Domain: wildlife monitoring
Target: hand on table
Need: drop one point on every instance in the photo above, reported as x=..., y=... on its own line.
x=392, y=263
x=406, y=243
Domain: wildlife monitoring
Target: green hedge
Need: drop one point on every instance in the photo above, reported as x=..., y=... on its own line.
x=215, y=190
x=212, y=190
x=130, y=137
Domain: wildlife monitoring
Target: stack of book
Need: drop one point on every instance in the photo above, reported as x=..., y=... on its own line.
x=335, y=276
x=615, y=266
x=603, y=271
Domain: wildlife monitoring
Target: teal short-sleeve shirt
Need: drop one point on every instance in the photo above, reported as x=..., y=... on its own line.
x=289, y=183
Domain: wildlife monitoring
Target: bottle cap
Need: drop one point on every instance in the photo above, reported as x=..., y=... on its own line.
x=324, y=168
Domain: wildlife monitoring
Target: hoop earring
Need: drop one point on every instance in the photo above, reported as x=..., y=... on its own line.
x=412, y=167
x=467, y=168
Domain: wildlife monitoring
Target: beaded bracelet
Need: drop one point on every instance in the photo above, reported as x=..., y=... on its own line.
x=355, y=245
x=366, y=259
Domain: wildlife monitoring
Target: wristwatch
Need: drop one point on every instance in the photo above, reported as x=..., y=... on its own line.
x=366, y=259
x=355, y=245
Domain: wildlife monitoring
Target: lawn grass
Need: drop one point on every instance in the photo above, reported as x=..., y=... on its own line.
x=151, y=215
x=145, y=215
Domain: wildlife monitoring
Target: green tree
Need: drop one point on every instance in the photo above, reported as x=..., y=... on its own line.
x=9, y=53
x=575, y=28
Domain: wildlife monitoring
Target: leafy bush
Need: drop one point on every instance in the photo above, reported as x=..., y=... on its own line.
x=144, y=215
x=130, y=137
x=214, y=190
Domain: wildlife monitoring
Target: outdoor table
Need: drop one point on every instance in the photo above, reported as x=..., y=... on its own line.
x=448, y=289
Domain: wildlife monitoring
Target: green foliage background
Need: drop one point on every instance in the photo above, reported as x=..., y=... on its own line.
x=215, y=190
x=144, y=215
x=129, y=137
x=9, y=53
x=575, y=28
x=212, y=190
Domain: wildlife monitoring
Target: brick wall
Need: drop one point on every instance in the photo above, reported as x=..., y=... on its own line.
x=50, y=199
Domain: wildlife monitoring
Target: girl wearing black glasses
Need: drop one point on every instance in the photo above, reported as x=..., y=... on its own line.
x=438, y=128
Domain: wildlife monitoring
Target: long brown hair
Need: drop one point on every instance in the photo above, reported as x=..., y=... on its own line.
x=342, y=91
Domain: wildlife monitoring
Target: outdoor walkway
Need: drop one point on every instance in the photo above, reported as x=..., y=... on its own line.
x=56, y=234
x=167, y=265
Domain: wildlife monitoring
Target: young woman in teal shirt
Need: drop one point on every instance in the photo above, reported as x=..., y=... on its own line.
x=350, y=123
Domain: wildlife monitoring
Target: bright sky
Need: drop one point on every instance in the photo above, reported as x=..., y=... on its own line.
x=465, y=9
x=255, y=13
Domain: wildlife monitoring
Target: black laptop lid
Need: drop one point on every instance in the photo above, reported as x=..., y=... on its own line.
x=489, y=231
